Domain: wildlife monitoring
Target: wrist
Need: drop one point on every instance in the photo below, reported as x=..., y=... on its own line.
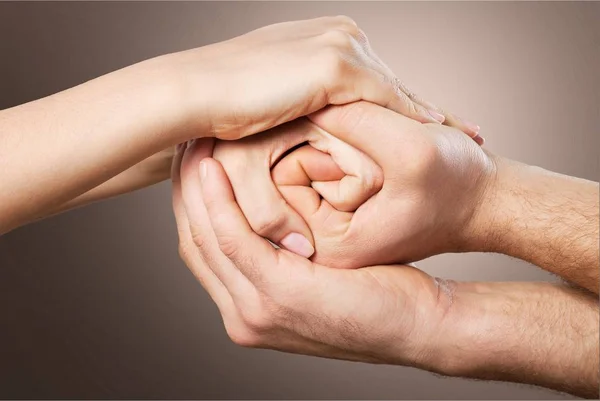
x=544, y=218
x=489, y=228
x=180, y=98
x=477, y=335
x=533, y=333
x=464, y=337
x=435, y=317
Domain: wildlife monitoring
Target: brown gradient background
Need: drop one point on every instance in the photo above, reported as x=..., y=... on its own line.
x=95, y=303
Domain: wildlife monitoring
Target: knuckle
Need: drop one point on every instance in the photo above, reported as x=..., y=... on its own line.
x=346, y=22
x=332, y=64
x=412, y=109
x=361, y=36
x=242, y=336
x=228, y=245
x=401, y=86
x=373, y=180
x=339, y=38
x=257, y=318
x=266, y=222
x=408, y=103
x=199, y=240
x=378, y=178
x=423, y=158
x=183, y=250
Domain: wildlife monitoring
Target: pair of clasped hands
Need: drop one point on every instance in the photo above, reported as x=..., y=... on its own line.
x=352, y=177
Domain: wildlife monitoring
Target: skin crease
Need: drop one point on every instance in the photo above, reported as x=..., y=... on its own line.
x=53, y=150
x=272, y=298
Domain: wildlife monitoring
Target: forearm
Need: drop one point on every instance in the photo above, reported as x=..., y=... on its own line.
x=548, y=219
x=150, y=171
x=533, y=333
x=54, y=149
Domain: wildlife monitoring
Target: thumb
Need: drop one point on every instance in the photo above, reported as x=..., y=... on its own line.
x=374, y=130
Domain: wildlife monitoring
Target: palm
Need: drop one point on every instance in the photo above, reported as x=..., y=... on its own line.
x=398, y=298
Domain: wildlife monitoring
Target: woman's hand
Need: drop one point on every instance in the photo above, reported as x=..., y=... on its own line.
x=57, y=148
x=280, y=72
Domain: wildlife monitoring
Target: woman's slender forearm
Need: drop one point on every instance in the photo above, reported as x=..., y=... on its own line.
x=150, y=171
x=57, y=148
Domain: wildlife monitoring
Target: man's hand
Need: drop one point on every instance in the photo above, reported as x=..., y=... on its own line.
x=400, y=191
x=434, y=180
x=443, y=194
x=276, y=299
x=411, y=199
x=533, y=333
x=344, y=176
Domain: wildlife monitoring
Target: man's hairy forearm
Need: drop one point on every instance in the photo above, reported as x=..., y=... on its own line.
x=533, y=333
x=548, y=219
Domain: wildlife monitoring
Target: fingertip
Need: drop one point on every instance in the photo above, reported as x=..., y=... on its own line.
x=437, y=117
x=426, y=115
x=343, y=199
x=473, y=128
x=467, y=127
x=328, y=190
x=213, y=181
x=479, y=140
x=299, y=244
x=325, y=188
x=209, y=170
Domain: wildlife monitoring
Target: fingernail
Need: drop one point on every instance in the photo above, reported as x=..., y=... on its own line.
x=436, y=116
x=298, y=244
x=474, y=128
x=203, y=169
x=479, y=139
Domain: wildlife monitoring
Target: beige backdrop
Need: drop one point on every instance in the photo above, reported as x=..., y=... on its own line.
x=96, y=303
